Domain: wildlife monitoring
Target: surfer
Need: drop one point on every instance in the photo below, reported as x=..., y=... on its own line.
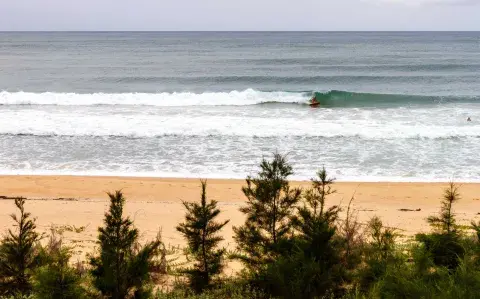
x=314, y=102
x=468, y=119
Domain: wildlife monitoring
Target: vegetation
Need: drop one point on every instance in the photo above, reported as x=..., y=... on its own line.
x=270, y=204
x=311, y=267
x=18, y=254
x=444, y=244
x=121, y=269
x=293, y=244
x=56, y=278
x=201, y=232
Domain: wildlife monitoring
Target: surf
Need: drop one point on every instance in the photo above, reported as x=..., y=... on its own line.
x=248, y=97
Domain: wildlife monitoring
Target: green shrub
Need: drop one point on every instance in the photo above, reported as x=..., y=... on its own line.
x=231, y=289
x=56, y=278
x=379, y=254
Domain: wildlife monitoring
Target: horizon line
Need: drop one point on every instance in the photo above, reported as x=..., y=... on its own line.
x=229, y=31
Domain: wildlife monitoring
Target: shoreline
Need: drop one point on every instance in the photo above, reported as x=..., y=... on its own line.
x=156, y=203
x=150, y=176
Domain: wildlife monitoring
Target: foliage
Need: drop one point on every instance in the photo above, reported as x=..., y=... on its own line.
x=121, y=269
x=310, y=266
x=293, y=244
x=270, y=204
x=229, y=288
x=352, y=233
x=407, y=280
x=18, y=255
x=201, y=232
x=446, y=222
x=57, y=279
x=444, y=244
x=379, y=253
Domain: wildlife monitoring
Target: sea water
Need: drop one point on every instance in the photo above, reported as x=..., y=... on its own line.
x=394, y=105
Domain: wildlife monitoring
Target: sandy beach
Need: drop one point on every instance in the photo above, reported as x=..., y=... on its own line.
x=78, y=203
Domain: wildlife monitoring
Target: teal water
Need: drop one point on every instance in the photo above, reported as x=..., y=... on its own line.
x=394, y=105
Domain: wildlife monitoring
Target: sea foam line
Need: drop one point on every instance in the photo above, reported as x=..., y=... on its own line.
x=233, y=176
x=232, y=98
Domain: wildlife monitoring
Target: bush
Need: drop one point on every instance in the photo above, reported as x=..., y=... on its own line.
x=379, y=254
x=231, y=289
x=56, y=279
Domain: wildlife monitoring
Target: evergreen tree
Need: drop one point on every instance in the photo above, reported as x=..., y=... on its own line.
x=444, y=243
x=201, y=232
x=313, y=268
x=270, y=203
x=446, y=223
x=18, y=254
x=122, y=268
x=314, y=210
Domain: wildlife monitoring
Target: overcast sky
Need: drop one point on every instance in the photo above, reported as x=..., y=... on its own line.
x=239, y=15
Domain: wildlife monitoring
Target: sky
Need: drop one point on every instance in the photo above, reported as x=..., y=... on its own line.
x=226, y=15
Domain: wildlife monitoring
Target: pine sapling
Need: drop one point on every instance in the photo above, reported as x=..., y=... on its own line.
x=18, y=254
x=201, y=232
x=444, y=243
x=122, y=267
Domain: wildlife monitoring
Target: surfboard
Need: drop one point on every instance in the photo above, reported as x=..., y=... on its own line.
x=314, y=105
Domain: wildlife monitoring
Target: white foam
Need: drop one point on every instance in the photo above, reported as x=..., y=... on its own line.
x=348, y=123
x=232, y=98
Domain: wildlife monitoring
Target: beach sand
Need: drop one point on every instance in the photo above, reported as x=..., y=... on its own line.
x=76, y=202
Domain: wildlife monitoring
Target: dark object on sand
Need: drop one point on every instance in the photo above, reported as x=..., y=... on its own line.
x=410, y=210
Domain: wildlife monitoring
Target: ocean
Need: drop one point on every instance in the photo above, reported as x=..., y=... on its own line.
x=394, y=105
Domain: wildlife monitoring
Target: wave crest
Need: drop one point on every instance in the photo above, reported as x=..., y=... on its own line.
x=333, y=98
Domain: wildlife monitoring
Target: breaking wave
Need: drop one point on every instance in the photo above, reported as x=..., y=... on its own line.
x=333, y=98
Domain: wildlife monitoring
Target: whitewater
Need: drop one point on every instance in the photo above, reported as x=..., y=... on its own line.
x=186, y=105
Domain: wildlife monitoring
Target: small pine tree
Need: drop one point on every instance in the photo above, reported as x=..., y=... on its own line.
x=201, y=232
x=312, y=268
x=57, y=279
x=18, y=254
x=446, y=222
x=270, y=204
x=444, y=243
x=314, y=209
x=122, y=268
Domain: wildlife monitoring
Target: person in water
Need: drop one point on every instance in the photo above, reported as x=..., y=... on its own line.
x=468, y=119
x=314, y=101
